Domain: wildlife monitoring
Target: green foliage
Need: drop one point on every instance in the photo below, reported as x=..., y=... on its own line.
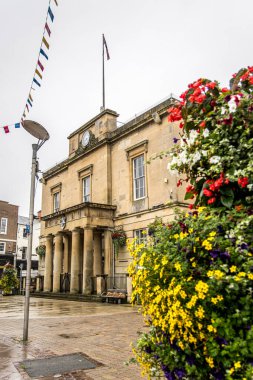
x=9, y=279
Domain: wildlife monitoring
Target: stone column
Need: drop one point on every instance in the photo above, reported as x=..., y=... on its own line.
x=97, y=255
x=66, y=254
x=75, y=262
x=108, y=252
x=48, y=264
x=37, y=284
x=58, y=254
x=87, y=260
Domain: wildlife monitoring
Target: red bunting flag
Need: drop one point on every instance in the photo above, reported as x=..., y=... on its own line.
x=47, y=29
x=40, y=65
x=6, y=129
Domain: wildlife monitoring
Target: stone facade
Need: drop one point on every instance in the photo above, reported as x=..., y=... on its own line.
x=8, y=232
x=103, y=186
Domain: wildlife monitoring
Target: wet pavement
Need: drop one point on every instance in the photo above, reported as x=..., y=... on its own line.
x=102, y=332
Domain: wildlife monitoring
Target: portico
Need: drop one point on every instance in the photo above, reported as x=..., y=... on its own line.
x=79, y=245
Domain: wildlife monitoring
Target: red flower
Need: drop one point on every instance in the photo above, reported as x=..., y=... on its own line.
x=179, y=182
x=190, y=206
x=211, y=200
x=207, y=193
x=190, y=189
x=199, y=99
x=251, y=80
x=211, y=85
x=245, y=76
x=250, y=68
x=224, y=89
x=174, y=114
x=243, y=182
x=202, y=124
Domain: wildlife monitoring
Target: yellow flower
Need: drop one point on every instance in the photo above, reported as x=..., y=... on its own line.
x=241, y=274
x=200, y=312
x=237, y=365
x=197, y=238
x=214, y=300
x=194, y=265
x=218, y=274
x=201, y=287
x=178, y=267
x=213, y=233
x=210, y=362
x=190, y=230
x=231, y=371
x=176, y=236
x=233, y=269
x=207, y=245
x=183, y=235
x=210, y=328
x=201, y=209
x=250, y=276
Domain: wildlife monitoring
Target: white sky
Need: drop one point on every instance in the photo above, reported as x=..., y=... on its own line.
x=157, y=47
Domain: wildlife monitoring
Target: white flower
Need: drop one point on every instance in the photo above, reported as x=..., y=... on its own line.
x=192, y=137
x=204, y=153
x=215, y=159
x=232, y=105
x=196, y=157
x=206, y=132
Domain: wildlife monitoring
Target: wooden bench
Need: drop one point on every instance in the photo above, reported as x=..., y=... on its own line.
x=115, y=296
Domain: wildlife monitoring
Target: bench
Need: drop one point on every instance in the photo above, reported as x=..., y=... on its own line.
x=115, y=296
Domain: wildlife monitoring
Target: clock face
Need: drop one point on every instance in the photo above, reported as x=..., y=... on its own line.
x=86, y=138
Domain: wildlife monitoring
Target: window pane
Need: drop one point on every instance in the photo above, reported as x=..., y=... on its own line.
x=86, y=189
x=56, y=201
x=2, y=246
x=139, y=177
x=3, y=226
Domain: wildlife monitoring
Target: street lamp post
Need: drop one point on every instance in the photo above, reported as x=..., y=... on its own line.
x=42, y=135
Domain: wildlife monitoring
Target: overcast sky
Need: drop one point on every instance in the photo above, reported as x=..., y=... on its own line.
x=157, y=47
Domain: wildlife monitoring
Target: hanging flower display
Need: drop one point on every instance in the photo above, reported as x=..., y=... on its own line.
x=194, y=277
x=118, y=239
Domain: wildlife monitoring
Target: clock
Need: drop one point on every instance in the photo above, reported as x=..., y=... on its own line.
x=85, y=138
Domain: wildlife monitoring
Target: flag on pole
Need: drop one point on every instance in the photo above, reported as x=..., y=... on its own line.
x=17, y=125
x=106, y=48
x=30, y=96
x=50, y=14
x=6, y=129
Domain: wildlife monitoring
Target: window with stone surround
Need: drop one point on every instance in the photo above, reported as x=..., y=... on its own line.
x=85, y=178
x=3, y=226
x=2, y=247
x=56, y=197
x=137, y=156
x=139, y=177
x=86, y=189
x=140, y=236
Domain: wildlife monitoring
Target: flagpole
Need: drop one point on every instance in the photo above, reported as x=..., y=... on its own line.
x=103, y=71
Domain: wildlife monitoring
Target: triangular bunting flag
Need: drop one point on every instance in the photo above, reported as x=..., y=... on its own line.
x=27, y=107
x=50, y=14
x=55, y=2
x=29, y=102
x=43, y=53
x=38, y=73
x=47, y=29
x=30, y=96
x=17, y=125
x=6, y=129
x=35, y=81
x=45, y=42
x=40, y=65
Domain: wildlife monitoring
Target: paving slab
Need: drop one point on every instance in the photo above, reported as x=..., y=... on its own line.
x=102, y=332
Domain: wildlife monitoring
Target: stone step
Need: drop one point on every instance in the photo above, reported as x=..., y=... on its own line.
x=69, y=297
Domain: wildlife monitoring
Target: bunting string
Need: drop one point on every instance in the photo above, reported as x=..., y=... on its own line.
x=39, y=69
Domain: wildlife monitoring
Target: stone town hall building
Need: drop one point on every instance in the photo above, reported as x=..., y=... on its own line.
x=105, y=184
